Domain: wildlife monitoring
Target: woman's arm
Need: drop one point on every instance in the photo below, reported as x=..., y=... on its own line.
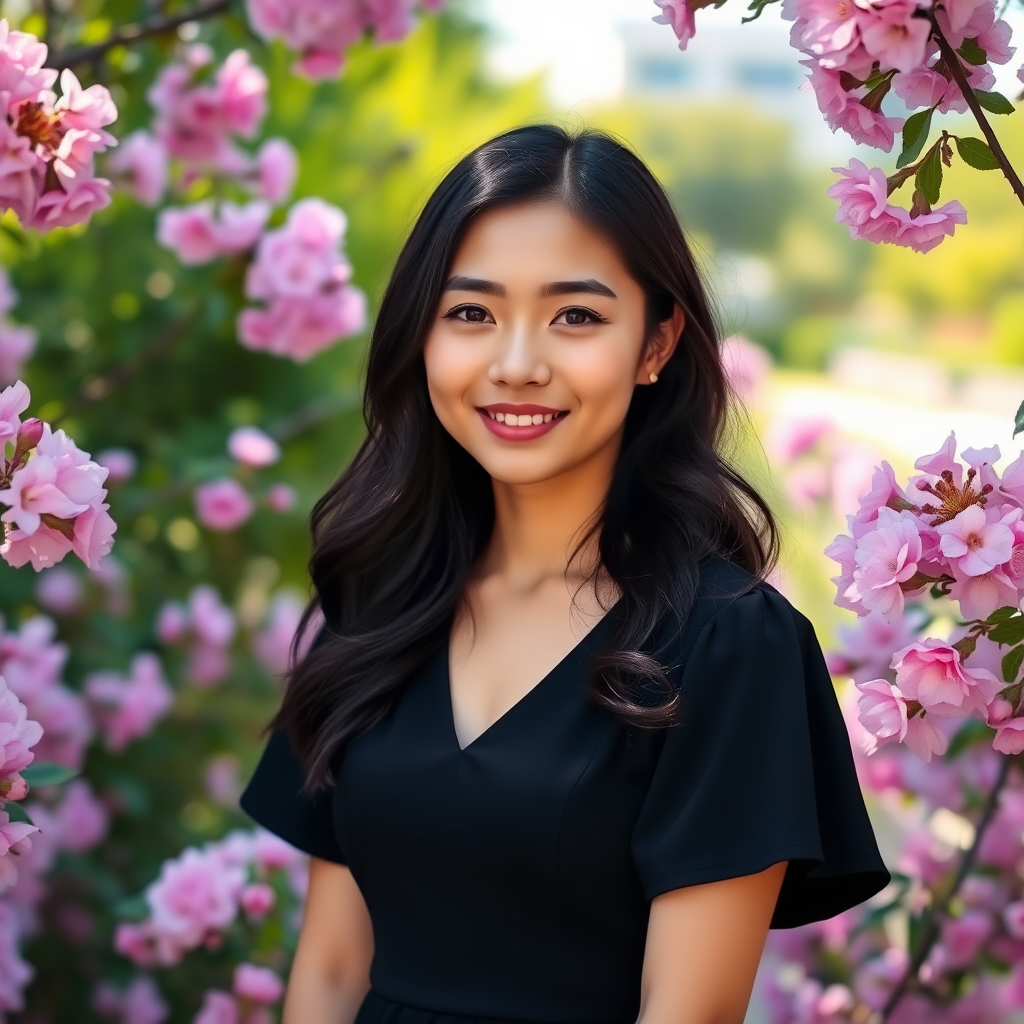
x=704, y=943
x=331, y=971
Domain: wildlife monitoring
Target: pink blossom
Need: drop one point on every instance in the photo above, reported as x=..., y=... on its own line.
x=974, y=545
x=282, y=498
x=83, y=820
x=1009, y=738
x=21, y=171
x=273, y=643
x=893, y=35
x=200, y=233
x=979, y=596
x=1013, y=917
x=277, y=165
x=253, y=447
x=883, y=710
x=196, y=119
x=843, y=110
x=221, y=779
x=301, y=328
x=931, y=672
x=963, y=937
x=843, y=550
x=924, y=739
x=59, y=208
x=141, y=163
x=171, y=622
x=257, y=900
x=223, y=504
x=824, y=29
x=13, y=840
x=211, y=619
x=217, y=1008
x=18, y=734
x=271, y=853
x=746, y=365
x=194, y=896
x=22, y=75
x=886, y=558
x=93, y=535
x=14, y=401
x=15, y=973
x=678, y=14
x=864, y=208
x=257, y=984
x=139, y=1003
x=17, y=343
x=128, y=708
x=120, y=463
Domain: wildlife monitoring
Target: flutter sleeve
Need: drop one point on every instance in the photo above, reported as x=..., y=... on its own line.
x=274, y=799
x=759, y=770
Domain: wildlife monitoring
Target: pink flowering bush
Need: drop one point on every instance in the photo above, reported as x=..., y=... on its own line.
x=320, y=31
x=935, y=58
x=216, y=899
x=49, y=143
x=206, y=627
x=304, y=281
x=53, y=490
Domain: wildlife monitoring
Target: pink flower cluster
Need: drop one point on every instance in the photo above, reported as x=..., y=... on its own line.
x=53, y=489
x=18, y=734
x=253, y=989
x=320, y=31
x=974, y=974
x=207, y=626
x=47, y=174
x=304, y=280
x=865, y=208
x=139, y=1002
x=127, y=708
x=32, y=662
x=957, y=528
x=201, y=114
x=17, y=341
x=204, y=892
x=203, y=232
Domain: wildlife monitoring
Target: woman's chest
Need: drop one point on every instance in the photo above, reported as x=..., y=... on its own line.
x=548, y=795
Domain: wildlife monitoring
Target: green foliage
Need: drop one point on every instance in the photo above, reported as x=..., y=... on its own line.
x=976, y=153
x=915, y=135
x=994, y=102
x=1011, y=664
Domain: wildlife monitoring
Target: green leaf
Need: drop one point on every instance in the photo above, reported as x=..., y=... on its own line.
x=1018, y=421
x=873, y=100
x=915, y=135
x=929, y=177
x=977, y=154
x=1009, y=632
x=1002, y=614
x=132, y=908
x=757, y=6
x=972, y=52
x=17, y=813
x=45, y=774
x=1012, y=663
x=994, y=102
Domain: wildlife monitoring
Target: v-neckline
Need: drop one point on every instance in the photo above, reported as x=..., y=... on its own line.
x=554, y=670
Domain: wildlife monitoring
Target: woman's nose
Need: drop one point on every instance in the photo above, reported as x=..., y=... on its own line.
x=519, y=359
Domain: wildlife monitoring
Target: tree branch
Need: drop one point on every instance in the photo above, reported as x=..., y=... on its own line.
x=133, y=33
x=931, y=930
x=956, y=69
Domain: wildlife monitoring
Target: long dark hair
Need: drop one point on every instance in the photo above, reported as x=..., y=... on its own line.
x=396, y=535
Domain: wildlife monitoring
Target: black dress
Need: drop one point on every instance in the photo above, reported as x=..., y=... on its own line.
x=511, y=881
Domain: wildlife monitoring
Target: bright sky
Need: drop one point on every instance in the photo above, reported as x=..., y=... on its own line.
x=577, y=41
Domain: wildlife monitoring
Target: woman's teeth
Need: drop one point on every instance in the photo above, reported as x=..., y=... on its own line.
x=524, y=420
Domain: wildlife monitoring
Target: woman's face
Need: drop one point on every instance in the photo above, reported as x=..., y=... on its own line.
x=537, y=344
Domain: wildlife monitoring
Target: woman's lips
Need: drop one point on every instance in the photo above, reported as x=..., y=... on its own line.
x=519, y=422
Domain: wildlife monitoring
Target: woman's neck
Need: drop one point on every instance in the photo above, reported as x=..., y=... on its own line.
x=538, y=525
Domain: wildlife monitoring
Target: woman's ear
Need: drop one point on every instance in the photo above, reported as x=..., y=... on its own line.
x=661, y=345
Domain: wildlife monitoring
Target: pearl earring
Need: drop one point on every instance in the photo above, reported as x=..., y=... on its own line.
x=654, y=378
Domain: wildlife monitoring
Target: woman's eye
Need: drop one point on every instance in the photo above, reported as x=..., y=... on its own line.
x=579, y=316
x=469, y=315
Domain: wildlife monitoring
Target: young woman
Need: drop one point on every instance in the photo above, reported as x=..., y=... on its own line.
x=559, y=754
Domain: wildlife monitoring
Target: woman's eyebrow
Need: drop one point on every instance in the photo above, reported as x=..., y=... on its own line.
x=589, y=286
x=459, y=283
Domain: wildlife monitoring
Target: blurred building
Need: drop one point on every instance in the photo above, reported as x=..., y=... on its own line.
x=751, y=64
